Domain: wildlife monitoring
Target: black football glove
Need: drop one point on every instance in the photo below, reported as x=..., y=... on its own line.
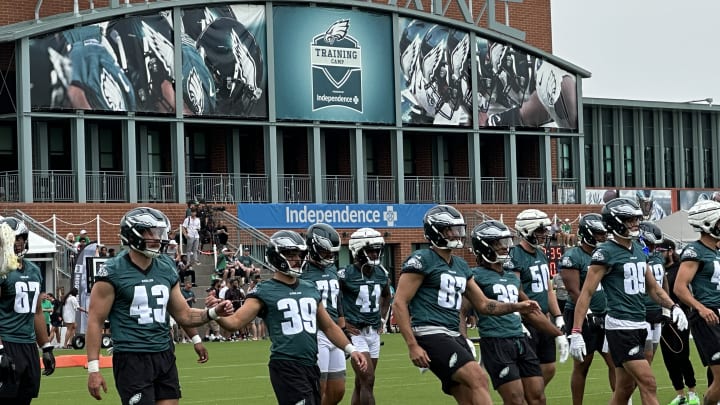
x=7, y=367
x=48, y=359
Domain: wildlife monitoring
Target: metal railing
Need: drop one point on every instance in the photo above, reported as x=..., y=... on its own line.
x=54, y=185
x=380, y=189
x=339, y=189
x=156, y=187
x=111, y=186
x=565, y=191
x=65, y=254
x=428, y=189
x=106, y=186
x=9, y=186
x=246, y=236
x=295, y=188
x=495, y=190
x=531, y=190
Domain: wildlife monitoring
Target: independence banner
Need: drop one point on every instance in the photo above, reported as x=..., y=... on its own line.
x=294, y=216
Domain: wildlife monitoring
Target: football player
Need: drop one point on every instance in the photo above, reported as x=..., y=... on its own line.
x=506, y=351
x=574, y=267
x=652, y=211
x=293, y=309
x=431, y=287
x=137, y=291
x=22, y=328
x=621, y=265
x=365, y=299
x=651, y=236
x=323, y=243
x=529, y=262
x=699, y=263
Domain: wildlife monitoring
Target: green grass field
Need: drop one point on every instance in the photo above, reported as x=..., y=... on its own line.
x=237, y=373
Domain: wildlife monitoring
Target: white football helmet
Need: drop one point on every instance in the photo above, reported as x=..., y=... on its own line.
x=530, y=220
x=366, y=239
x=704, y=216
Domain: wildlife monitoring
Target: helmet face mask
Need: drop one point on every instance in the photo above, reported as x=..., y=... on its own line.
x=622, y=217
x=323, y=244
x=444, y=227
x=532, y=225
x=592, y=230
x=145, y=230
x=286, y=252
x=491, y=241
x=366, y=246
x=704, y=216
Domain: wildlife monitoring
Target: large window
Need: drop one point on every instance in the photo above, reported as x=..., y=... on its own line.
x=628, y=150
x=709, y=180
x=565, y=159
x=688, y=155
x=589, y=138
x=608, y=152
x=649, y=149
x=668, y=147
x=408, y=157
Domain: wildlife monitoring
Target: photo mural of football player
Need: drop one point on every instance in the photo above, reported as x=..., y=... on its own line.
x=78, y=69
x=434, y=60
x=688, y=198
x=231, y=42
x=655, y=204
x=519, y=89
x=145, y=51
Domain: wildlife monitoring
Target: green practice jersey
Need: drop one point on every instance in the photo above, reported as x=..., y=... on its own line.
x=576, y=259
x=361, y=295
x=326, y=281
x=656, y=265
x=534, y=273
x=290, y=313
x=20, y=292
x=503, y=287
x=706, y=283
x=139, y=317
x=624, y=280
x=438, y=299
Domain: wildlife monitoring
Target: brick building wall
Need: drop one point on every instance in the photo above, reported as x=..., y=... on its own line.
x=401, y=238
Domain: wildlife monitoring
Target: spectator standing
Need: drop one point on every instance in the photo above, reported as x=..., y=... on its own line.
x=55, y=321
x=70, y=308
x=83, y=236
x=47, y=308
x=191, y=230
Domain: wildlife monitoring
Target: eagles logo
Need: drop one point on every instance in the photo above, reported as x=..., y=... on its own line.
x=598, y=256
x=689, y=253
x=566, y=262
x=413, y=263
x=195, y=92
x=111, y=92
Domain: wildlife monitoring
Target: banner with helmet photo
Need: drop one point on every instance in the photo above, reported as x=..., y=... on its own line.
x=514, y=88
x=688, y=198
x=333, y=65
x=655, y=204
x=224, y=51
x=125, y=64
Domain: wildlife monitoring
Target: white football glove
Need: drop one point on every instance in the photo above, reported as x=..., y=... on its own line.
x=560, y=322
x=525, y=330
x=561, y=343
x=577, y=346
x=679, y=318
